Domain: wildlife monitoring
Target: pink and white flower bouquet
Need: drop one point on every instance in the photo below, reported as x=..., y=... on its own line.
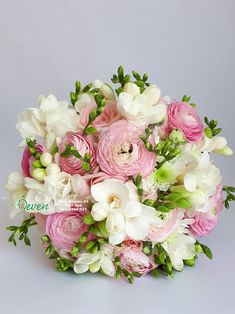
x=118, y=181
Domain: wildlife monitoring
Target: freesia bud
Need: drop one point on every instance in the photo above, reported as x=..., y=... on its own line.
x=39, y=174
x=46, y=159
x=131, y=88
x=226, y=151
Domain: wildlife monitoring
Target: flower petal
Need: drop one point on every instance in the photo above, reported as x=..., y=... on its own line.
x=137, y=228
x=107, y=266
x=100, y=211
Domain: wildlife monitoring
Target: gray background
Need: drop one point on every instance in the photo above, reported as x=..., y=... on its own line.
x=186, y=47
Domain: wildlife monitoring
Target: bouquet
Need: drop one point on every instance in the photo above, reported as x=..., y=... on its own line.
x=118, y=181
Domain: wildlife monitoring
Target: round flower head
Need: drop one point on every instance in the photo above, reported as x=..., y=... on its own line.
x=204, y=223
x=65, y=228
x=121, y=152
x=183, y=117
x=72, y=164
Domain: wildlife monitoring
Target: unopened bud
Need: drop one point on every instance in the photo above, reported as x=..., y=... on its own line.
x=46, y=159
x=39, y=174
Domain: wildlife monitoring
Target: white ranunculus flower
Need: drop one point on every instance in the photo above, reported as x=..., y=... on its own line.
x=103, y=259
x=15, y=185
x=126, y=216
x=142, y=108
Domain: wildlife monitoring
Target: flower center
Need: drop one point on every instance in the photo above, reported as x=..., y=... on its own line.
x=114, y=201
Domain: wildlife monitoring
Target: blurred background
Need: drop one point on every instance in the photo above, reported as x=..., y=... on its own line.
x=186, y=47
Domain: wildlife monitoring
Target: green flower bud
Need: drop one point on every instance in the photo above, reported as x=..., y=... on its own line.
x=88, y=220
x=90, y=245
x=37, y=164
x=177, y=136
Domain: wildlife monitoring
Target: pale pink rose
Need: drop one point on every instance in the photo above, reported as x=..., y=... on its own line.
x=204, y=223
x=105, y=119
x=183, y=117
x=161, y=232
x=120, y=151
x=65, y=228
x=84, y=145
x=134, y=260
x=28, y=158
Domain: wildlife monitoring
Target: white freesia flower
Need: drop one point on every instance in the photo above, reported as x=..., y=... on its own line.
x=51, y=120
x=59, y=118
x=216, y=144
x=30, y=123
x=103, y=259
x=142, y=108
x=204, y=176
x=83, y=100
x=15, y=185
x=55, y=191
x=180, y=245
x=106, y=90
x=126, y=216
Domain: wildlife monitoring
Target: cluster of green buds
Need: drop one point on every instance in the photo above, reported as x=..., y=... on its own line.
x=100, y=102
x=230, y=197
x=168, y=201
x=62, y=264
x=21, y=231
x=211, y=129
x=187, y=99
x=72, y=151
x=42, y=160
x=92, y=246
x=128, y=275
x=138, y=183
x=99, y=96
x=124, y=79
x=162, y=259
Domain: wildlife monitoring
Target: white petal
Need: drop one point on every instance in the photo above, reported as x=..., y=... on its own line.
x=137, y=228
x=107, y=266
x=100, y=211
x=190, y=182
x=150, y=213
x=80, y=268
x=98, y=191
x=133, y=209
x=94, y=267
x=117, y=238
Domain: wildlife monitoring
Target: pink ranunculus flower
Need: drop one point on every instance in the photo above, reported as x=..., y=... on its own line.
x=161, y=232
x=134, y=260
x=105, y=119
x=65, y=228
x=41, y=221
x=27, y=160
x=120, y=151
x=204, y=223
x=183, y=117
x=71, y=164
